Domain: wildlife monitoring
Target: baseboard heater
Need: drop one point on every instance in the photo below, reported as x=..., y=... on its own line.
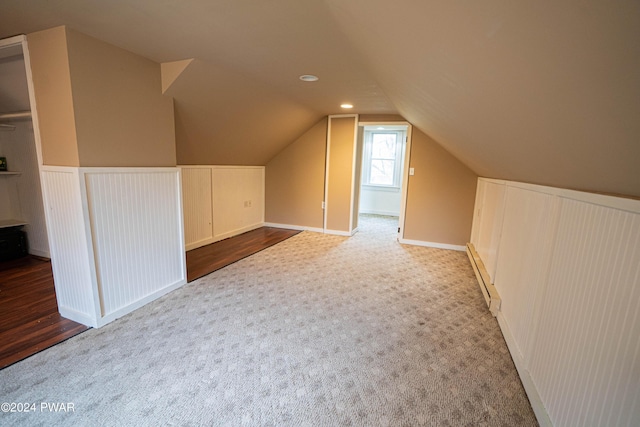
x=488, y=290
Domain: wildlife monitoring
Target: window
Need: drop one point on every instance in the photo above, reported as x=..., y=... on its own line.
x=383, y=155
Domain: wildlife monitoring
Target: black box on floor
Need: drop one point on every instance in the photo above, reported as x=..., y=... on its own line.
x=13, y=243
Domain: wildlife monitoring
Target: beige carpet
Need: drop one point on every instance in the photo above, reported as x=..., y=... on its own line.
x=317, y=330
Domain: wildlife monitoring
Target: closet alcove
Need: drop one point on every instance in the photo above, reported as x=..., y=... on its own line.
x=22, y=217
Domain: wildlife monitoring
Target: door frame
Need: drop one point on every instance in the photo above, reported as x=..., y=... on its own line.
x=405, y=168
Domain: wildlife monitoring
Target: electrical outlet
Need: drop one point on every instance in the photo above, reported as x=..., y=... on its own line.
x=247, y=203
x=323, y=205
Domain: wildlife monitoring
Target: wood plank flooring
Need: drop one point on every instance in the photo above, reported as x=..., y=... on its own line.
x=29, y=318
x=207, y=259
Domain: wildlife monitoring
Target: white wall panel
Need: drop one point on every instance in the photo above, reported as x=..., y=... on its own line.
x=233, y=188
x=489, y=224
x=587, y=358
x=568, y=272
x=116, y=238
x=221, y=202
x=197, y=206
x=135, y=221
x=523, y=262
x=72, y=258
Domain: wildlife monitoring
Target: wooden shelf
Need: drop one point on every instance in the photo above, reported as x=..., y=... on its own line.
x=6, y=223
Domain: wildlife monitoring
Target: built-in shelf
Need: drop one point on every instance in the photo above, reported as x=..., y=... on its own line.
x=9, y=173
x=6, y=223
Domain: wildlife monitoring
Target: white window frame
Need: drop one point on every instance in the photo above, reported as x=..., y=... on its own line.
x=399, y=158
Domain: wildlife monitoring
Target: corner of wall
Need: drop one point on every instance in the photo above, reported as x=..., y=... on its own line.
x=294, y=180
x=50, y=70
x=441, y=194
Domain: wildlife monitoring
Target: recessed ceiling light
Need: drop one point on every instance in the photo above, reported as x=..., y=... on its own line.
x=346, y=105
x=308, y=78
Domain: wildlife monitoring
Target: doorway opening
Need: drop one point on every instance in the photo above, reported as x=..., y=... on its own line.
x=383, y=181
x=29, y=317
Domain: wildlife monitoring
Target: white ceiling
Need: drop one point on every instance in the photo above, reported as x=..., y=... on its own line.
x=545, y=92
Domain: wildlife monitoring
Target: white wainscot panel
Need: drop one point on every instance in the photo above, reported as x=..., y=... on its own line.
x=585, y=360
x=71, y=253
x=523, y=262
x=136, y=224
x=489, y=224
x=238, y=200
x=197, y=206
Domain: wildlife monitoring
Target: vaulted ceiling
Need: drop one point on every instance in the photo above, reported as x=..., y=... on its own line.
x=545, y=92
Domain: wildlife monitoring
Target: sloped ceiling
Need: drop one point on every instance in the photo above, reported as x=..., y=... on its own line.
x=545, y=92
x=222, y=117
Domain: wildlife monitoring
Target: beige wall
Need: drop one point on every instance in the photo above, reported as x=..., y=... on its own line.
x=122, y=118
x=339, y=183
x=99, y=105
x=295, y=180
x=440, y=195
x=52, y=87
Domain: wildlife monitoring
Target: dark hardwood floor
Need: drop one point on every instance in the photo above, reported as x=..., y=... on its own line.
x=29, y=318
x=207, y=259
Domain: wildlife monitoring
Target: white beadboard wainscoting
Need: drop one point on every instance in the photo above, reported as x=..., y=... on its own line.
x=116, y=238
x=566, y=265
x=221, y=202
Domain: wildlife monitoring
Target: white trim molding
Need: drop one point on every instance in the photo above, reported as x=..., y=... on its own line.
x=525, y=376
x=341, y=233
x=460, y=248
x=294, y=227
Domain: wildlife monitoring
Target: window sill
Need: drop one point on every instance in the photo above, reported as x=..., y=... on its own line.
x=388, y=188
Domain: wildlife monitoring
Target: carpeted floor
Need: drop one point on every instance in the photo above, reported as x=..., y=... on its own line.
x=317, y=330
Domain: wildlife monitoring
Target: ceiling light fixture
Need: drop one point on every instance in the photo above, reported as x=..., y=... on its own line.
x=308, y=78
x=346, y=105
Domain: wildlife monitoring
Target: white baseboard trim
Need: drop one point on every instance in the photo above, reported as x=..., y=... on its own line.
x=237, y=231
x=383, y=213
x=87, y=320
x=139, y=303
x=204, y=242
x=198, y=244
x=78, y=317
x=460, y=248
x=341, y=233
x=313, y=229
x=294, y=227
x=41, y=254
x=529, y=386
